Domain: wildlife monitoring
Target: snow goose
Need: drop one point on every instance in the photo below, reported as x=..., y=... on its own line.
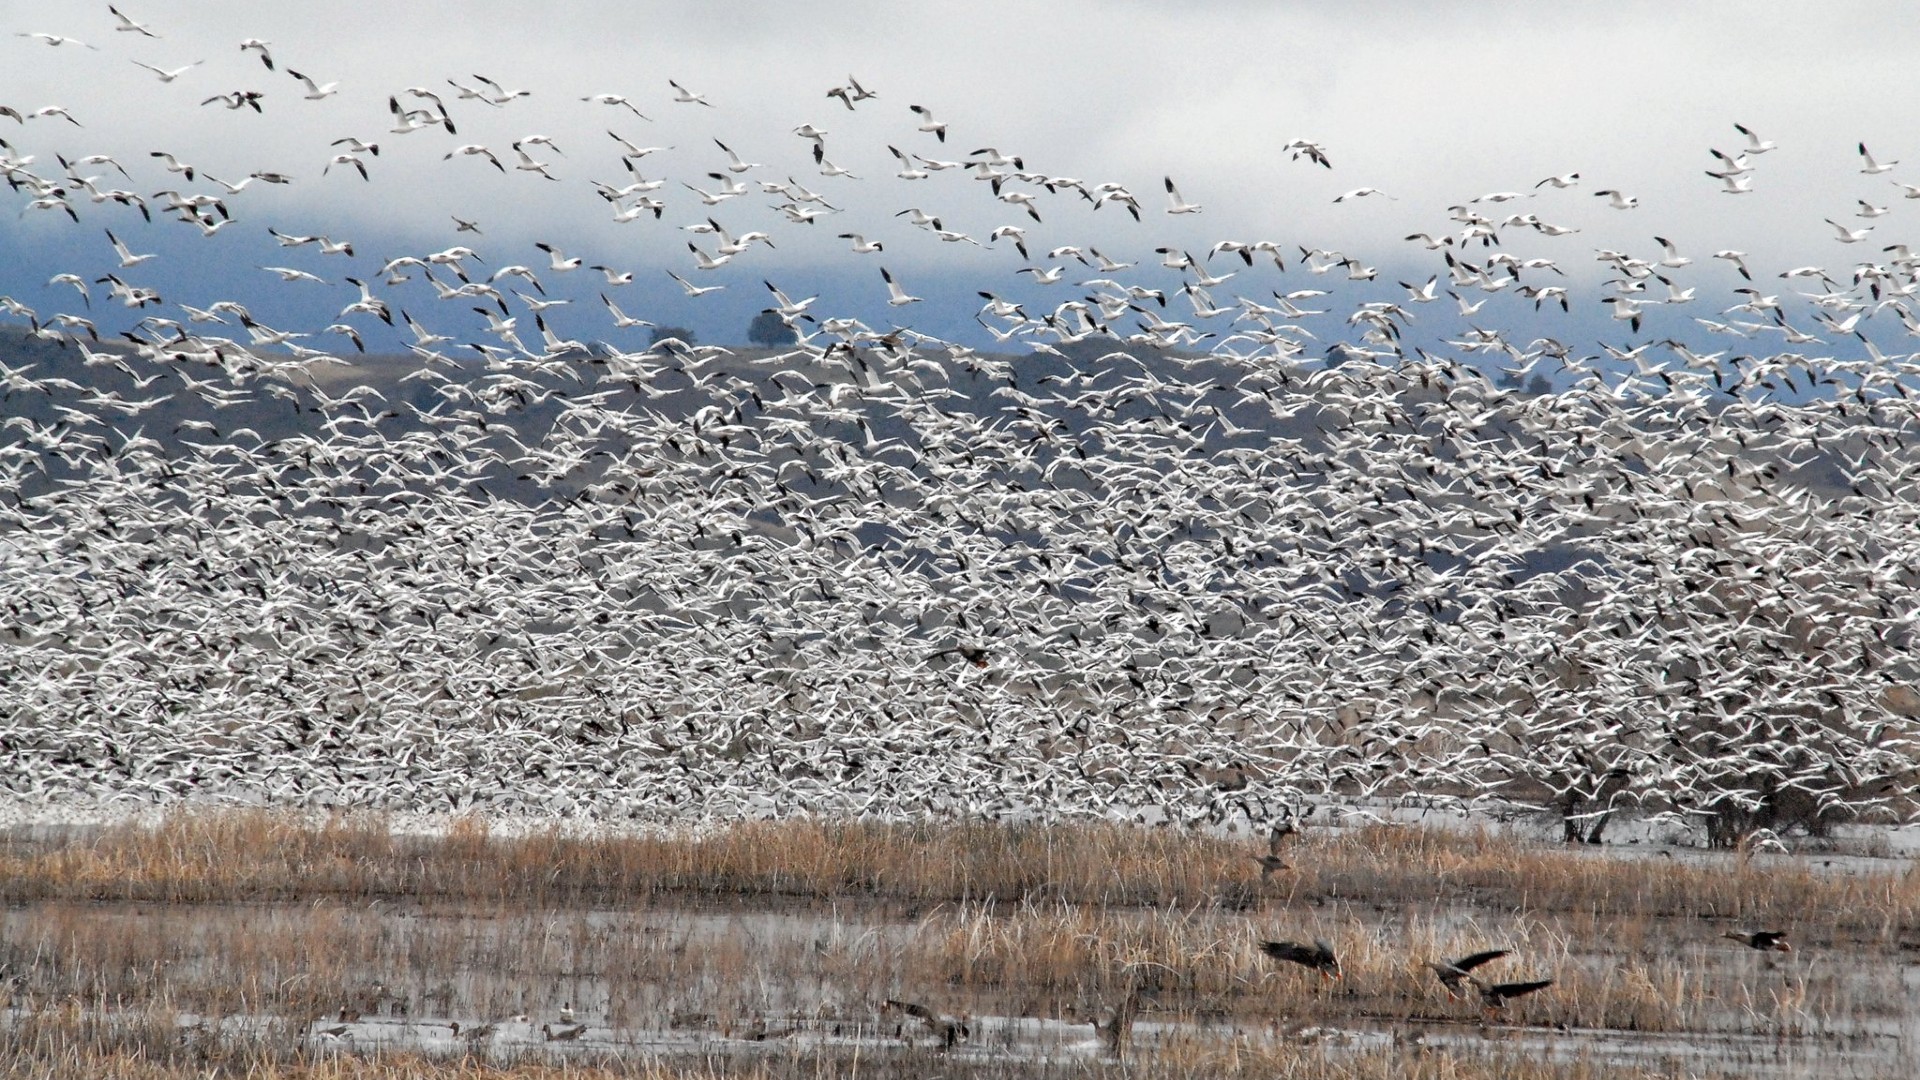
x=1313, y=151
x=896, y=296
x=127, y=25
x=1022, y=200
x=858, y=92
x=1422, y=294
x=785, y=306
x=1871, y=167
x=1736, y=184
x=1846, y=235
x=346, y=159
x=1175, y=203
x=630, y=150
x=620, y=318
x=475, y=150
x=239, y=99
x=127, y=258
x=1672, y=259
x=315, y=91
x=261, y=47
x=708, y=262
x=558, y=259
x=691, y=288
x=616, y=99
x=928, y=123
x=687, y=97
x=501, y=95
x=527, y=164
x=734, y=164
x=907, y=169
x=1755, y=144
x=1731, y=166
x=165, y=75
x=289, y=274
x=57, y=40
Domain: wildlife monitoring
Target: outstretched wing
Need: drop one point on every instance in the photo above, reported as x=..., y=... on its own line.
x=1317, y=955
x=1468, y=963
x=1503, y=991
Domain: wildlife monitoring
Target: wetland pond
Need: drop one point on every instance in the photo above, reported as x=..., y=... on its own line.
x=1028, y=981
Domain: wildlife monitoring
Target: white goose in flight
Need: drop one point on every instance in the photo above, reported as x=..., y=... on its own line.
x=165, y=75
x=127, y=25
x=127, y=257
x=687, y=97
x=1871, y=167
x=617, y=99
x=928, y=123
x=315, y=91
x=1176, y=204
x=261, y=47
x=896, y=296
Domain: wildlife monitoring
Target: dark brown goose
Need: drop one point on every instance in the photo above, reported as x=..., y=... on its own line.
x=1272, y=861
x=949, y=1029
x=1116, y=1031
x=1494, y=996
x=1317, y=956
x=1763, y=940
x=1452, y=972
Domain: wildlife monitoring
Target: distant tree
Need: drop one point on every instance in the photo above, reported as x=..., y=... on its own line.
x=767, y=330
x=661, y=333
x=1539, y=385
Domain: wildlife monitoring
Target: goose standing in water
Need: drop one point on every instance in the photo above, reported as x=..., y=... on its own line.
x=949, y=1029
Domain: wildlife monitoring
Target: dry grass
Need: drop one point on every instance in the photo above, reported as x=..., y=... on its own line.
x=251, y=855
x=63, y=1048
x=637, y=967
x=266, y=916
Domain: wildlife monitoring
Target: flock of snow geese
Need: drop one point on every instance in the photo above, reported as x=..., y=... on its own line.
x=1155, y=551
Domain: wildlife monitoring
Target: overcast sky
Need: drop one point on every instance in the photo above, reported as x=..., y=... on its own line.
x=1433, y=104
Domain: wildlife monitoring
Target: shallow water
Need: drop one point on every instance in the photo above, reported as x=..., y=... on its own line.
x=707, y=981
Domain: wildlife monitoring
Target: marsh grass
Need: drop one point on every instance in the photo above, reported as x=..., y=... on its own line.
x=208, y=856
x=637, y=968
x=113, y=934
x=67, y=1045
